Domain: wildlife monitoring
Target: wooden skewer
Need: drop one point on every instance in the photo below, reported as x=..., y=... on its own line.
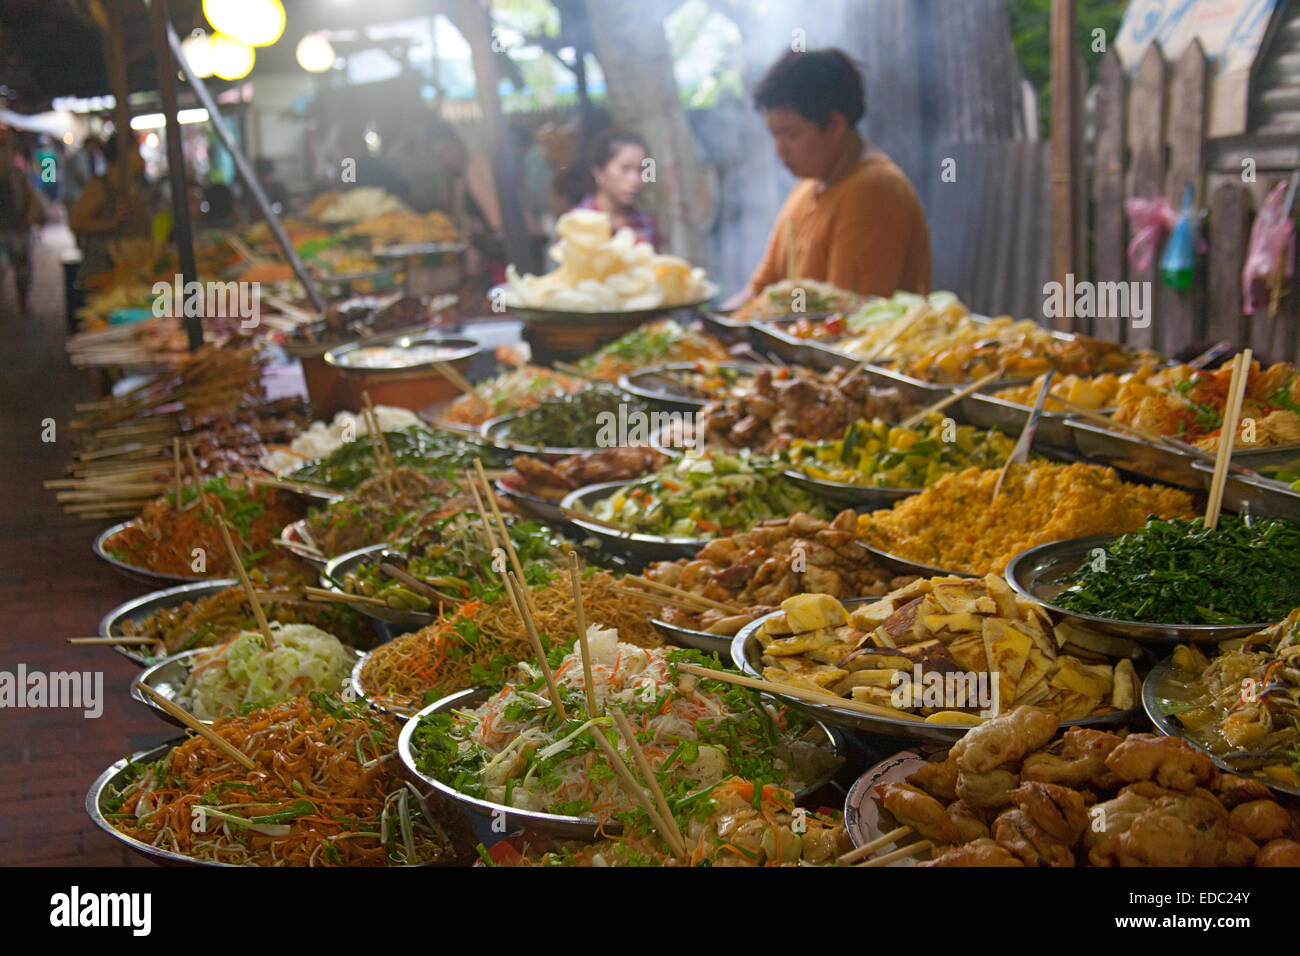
x=296, y=487
x=198, y=479
x=1228, y=436
x=633, y=788
x=918, y=417
x=298, y=546
x=452, y=374
x=789, y=690
x=912, y=849
x=572, y=370
x=893, y=836
x=505, y=534
x=115, y=640
x=200, y=728
x=372, y=427
x=661, y=599
x=176, y=465
x=489, y=535
x=249, y=591
x=683, y=594
x=383, y=439
x=905, y=324
x=530, y=628
x=652, y=782
x=580, y=618
x=321, y=595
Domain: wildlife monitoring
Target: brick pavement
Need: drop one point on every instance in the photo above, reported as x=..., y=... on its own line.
x=52, y=587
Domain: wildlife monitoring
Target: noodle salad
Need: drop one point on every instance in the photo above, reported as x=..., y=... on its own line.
x=328, y=791
x=513, y=750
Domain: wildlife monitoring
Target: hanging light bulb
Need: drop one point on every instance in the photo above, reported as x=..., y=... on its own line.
x=232, y=59
x=198, y=54
x=256, y=22
x=315, y=53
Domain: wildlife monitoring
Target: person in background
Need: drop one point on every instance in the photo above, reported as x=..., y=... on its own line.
x=110, y=209
x=80, y=170
x=616, y=164
x=854, y=219
x=20, y=209
x=276, y=194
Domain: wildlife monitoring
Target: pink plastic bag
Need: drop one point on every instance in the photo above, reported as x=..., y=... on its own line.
x=1148, y=222
x=1272, y=238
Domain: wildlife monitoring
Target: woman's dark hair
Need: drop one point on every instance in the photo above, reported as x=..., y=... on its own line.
x=814, y=84
x=606, y=146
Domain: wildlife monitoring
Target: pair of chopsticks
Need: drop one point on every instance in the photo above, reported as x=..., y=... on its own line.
x=879, y=843
x=1228, y=435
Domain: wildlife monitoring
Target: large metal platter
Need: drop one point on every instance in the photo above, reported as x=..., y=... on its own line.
x=582, y=828
x=685, y=637
x=849, y=495
x=338, y=567
x=655, y=384
x=137, y=609
x=986, y=410
x=168, y=678
x=1258, y=496
x=112, y=778
x=155, y=578
x=465, y=350
x=530, y=314
x=496, y=432
x=1154, y=698
x=900, y=565
x=648, y=547
x=747, y=653
x=1032, y=572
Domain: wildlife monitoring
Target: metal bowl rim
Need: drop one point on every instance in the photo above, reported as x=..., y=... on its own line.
x=123, y=611
x=133, y=569
x=470, y=348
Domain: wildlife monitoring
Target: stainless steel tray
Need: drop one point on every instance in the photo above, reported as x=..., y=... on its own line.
x=1032, y=572
x=685, y=637
x=582, y=828
x=647, y=547
x=169, y=675
x=850, y=495
x=155, y=578
x=1154, y=700
x=747, y=653
x=1258, y=496
x=137, y=609
x=986, y=410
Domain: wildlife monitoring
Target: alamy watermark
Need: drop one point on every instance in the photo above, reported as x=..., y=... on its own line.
x=1098, y=300
x=223, y=300
x=636, y=427
x=952, y=690
x=78, y=690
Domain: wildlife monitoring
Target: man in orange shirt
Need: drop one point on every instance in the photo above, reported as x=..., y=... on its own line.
x=854, y=220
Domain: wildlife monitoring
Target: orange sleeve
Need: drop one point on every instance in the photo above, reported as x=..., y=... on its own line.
x=872, y=238
x=773, y=267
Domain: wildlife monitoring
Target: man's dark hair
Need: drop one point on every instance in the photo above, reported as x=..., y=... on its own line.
x=814, y=84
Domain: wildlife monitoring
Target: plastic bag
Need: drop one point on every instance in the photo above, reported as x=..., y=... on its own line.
x=1271, y=250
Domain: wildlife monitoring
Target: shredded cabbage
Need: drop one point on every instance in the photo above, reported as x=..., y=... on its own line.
x=244, y=673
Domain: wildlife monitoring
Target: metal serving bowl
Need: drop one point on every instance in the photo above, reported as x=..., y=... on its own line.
x=848, y=494
x=1153, y=700
x=900, y=565
x=543, y=509
x=337, y=568
x=985, y=409
x=134, y=572
x=646, y=547
x=168, y=677
x=292, y=540
x=1259, y=496
x=113, y=778
x=685, y=637
x=582, y=828
x=658, y=385
x=747, y=653
x=1032, y=573
x=496, y=432
x=137, y=609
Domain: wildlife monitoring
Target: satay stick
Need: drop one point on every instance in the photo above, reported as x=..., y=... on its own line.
x=249, y=592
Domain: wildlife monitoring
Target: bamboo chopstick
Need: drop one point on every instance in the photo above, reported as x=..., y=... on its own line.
x=115, y=640
x=683, y=594
x=258, y=613
x=789, y=690
x=912, y=849
x=1228, y=436
x=196, y=725
x=337, y=597
x=530, y=628
x=893, y=836
x=917, y=417
x=634, y=789
x=652, y=782
x=580, y=618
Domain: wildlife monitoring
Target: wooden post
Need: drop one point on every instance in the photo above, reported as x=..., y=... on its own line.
x=1108, y=184
x=1147, y=139
x=475, y=25
x=115, y=61
x=1229, y=233
x=182, y=228
x=1179, y=312
x=1065, y=139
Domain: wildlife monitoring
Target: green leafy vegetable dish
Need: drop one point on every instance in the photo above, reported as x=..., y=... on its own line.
x=704, y=496
x=1180, y=572
x=587, y=418
x=434, y=453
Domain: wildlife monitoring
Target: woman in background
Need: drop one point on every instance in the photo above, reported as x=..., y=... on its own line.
x=616, y=163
